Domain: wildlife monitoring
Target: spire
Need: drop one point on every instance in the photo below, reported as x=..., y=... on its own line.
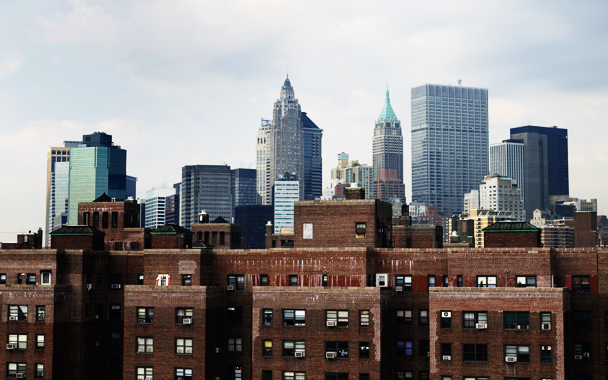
x=387, y=111
x=287, y=90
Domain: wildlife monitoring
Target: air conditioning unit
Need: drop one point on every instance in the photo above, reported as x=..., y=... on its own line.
x=10, y=346
x=218, y=350
x=522, y=327
x=230, y=287
x=331, y=323
x=446, y=358
x=399, y=289
x=141, y=320
x=96, y=316
x=115, y=286
x=89, y=286
x=12, y=317
x=364, y=323
x=446, y=314
x=40, y=374
x=428, y=354
x=148, y=378
x=97, y=344
x=481, y=326
x=20, y=376
x=381, y=280
x=218, y=378
x=187, y=321
x=578, y=357
x=511, y=359
x=330, y=355
x=140, y=350
x=546, y=348
x=545, y=326
x=299, y=354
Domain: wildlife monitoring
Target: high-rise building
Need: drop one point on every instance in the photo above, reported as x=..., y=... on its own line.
x=244, y=187
x=131, y=187
x=354, y=172
x=156, y=206
x=545, y=165
x=507, y=160
x=313, y=162
x=449, y=144
x=263, y=163
x=172, y=206
x=253, y=219
x=97, y=167
x=501, y=194
x=208, y=188
x=471, y=201
x=286, y=193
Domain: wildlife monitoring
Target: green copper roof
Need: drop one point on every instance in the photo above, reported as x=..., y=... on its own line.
x=387, y=111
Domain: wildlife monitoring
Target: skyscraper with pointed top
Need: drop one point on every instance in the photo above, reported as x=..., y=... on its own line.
x=388, y=154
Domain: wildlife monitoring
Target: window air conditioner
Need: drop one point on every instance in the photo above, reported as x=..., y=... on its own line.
x=446, y=314
x=446, y=357
x=230, y=287
x=218, y=350
x=299, y=354
x=141, y=320
x=40, y=374
x=578, y=357
x=115, y=286
x=399, y=289
x=97, y=344
x=218, y=378
x=10, y=346
x=20, y=376
x=481, y=326
x=545, y=326
x=331, y=323
x=187, y=321
x=12, y=317
x=364, y=323
x=89, y=286
x=511, y=359
x=330, y=355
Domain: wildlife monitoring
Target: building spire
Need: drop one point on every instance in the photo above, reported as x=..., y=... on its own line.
x=387, y=111
x=287, y=90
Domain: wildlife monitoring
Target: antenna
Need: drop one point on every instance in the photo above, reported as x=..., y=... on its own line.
x=459, y=82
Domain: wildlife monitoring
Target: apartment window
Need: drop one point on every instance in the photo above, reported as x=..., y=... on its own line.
x=307, y=230
x=145, y=345
x=235, y=344
x=293, y=280
x=290, y=347
x=264, y=280
x=144, y=373
x=104, y=220
x=30, y=279
x=545, y=321
x=340, y=348
x=17, y=313
x=86, y=217
x=234, y=315
x=545, y=354
x=472, y=318
x=405, y=282
x=163, y=280
x=520, y=353
x=96, y=219
x=336, y=376
x=45, y=277
x=363, y=318
x=115, y=338
x=475, y=352
x=404, y=348
x=237, y=281
x=19, y=341
x=517, y=321
x=118, y=246
x=114, y=219
x=404, y=317
x=360, y=230
x=450, y=378
x=266, y=375
x=140, y=279
x=445, y=281
x=267, y=348
x=364, y=376
x=293, y=317
x=183, y=346
x=431, y=281
x=581, y=319
x=446, y=352
x=182, y=313
x=446, y=319
x=39, y=371
x=186, y=280
x=337, y=318
x=145, y=315
x=2, y=278
x=582, y=351
x=115, y=311
x=423, y=375
x=183, y=374
x=405, y=375
x=12, y=369
x=40, y=342
x=324, y=280
x=294, y=375
x=423, y=317
x=459, y=281
x=525, y=281
x=423, y=348
x=267, y=317
x=222, y=238
x=486, y=281
x=40, y=313
x=363, y=350
x=580, y=284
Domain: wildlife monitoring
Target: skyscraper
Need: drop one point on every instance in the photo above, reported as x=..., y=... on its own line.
x=55, y=206
x=244, y=187
x=354, y=172
x=507, y=160
x=449, y=144
x=262, y=162
x=388, y=142
x=156, y=206
x=545, y=166
x=313, y=162
x=286, y=192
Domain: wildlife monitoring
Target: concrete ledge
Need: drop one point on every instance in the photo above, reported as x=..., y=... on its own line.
x=499, y=290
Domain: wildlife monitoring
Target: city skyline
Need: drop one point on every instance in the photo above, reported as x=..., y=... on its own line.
x=147, y=79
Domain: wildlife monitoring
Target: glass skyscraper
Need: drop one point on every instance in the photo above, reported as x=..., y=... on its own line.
x=313, y=162
x=449, y=144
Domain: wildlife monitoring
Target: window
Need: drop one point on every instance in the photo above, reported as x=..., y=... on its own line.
x=144, y=373
x=145, y=315
x=580, y=284
x=2, y=278
x=360, y=230
x=324, y=280
x=145, y=345
x=140, y=279
x=237, y=281
x=20, y=278
x=517, y=320
x=294, y=375
x=446, y=352
x=115, y=338
x=404, y=348
x=114, y=219
x=12, y=369
x=405, y=282
x=293, y=280
x=472, y=318
x=459, y=282
x=183, y=346
x=340, y=348
x=545, y=354
x=525, y=281
x=336, y=376
x=364, y=376
x=39, y=371
x=486, y=281
x=17, y=313
x=290, y=347
x=267, y=348
x=545, y=321
x=404, y=317
x=404, y=375
x=183, y=374
x=163, y=280
x=186, y=280
x=520, y=353
x=423, y=375
x=266, y=375
x=40, y=313
x=336, y=318
x=582, y=351
x=45, y=277
x=115, y=311
x=363, y=318
x=267, y=317
x=235, y=344
x=19, y=341
x=423, y=317
x=182, y=313
x=30, y=279
x=446, y=319
x=264, y=280
x=104, y=220
x=423, y=348
x=40, y=342
x=363, y=350
x=118, y=246
x=581, y=319
x=475, y=352
x=96, y=219
x=445, y=281
x=234, y=315
x=431, y=281
x=293, y=317
x=307, y=230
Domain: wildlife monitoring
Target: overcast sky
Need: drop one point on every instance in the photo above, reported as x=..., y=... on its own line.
x=186, y=82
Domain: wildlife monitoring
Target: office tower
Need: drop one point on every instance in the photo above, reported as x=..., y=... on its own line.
x=156, y=201
x=131, y=187
x=354, y=172
x=53, y=208
x=545, y=165
x=263, y=163
x=449, y=144
x=172, y=206
x=206, y=187
x=244, y=187
x=97, y=167
x=501, y=194
x=286, y=192
x=313, y=162
x=471, y=201
x=253, y=219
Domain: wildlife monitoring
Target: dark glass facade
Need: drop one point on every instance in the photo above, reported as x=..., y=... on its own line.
x=313, y=163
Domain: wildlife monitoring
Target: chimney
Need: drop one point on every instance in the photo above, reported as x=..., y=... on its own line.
x=269, y=232
x=405, y=219
x=355, y=192
x=203, y=217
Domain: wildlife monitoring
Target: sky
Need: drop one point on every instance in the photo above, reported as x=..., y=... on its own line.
x=186, y=82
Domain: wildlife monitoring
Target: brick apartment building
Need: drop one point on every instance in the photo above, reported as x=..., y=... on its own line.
x=316, y=311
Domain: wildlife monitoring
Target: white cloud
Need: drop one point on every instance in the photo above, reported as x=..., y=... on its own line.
x=10, y=63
